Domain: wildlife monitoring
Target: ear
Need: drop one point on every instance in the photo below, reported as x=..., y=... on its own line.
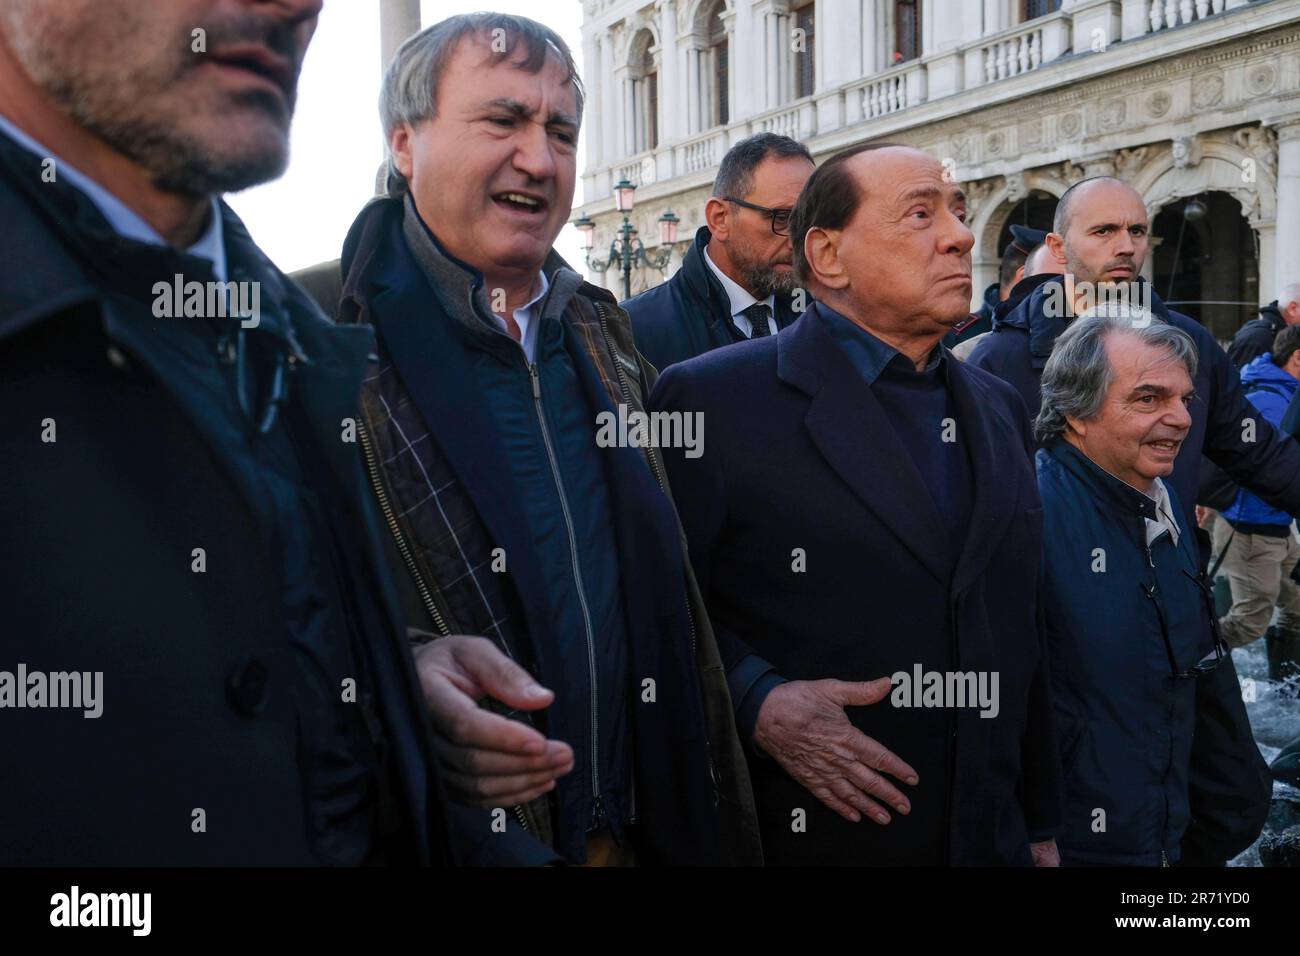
x=1020, y=274
x=1077, y=426
x=399, y=144
x=821, y=249
x=717, y=216
x=1056, y=246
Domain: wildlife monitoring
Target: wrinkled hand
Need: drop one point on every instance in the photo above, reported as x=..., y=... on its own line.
x=1045, y=853
x=803, y=726
x=488, y=760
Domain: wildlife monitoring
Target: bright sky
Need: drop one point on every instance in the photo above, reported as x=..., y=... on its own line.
x=303, y=217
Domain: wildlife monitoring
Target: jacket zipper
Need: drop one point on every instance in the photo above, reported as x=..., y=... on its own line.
x=376, y=482
x=426, y=595
x=597, y=809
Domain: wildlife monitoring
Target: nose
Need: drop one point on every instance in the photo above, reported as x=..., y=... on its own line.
x=1125, y=246
x=956, y=237
x=533, y=154
x=1179, y=416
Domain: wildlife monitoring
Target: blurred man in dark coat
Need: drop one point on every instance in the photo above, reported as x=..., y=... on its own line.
x=184, y=528
x=855, y=517
x=1101, y=238
x=736, y=281
x=1256, y=337
x=1024, y=242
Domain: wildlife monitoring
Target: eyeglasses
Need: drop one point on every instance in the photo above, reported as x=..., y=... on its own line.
x=780, y=218
x=1211, y=660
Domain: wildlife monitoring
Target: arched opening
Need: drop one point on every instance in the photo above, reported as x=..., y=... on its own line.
x=645, y=93
x=1035, y=211
x=1205, y=263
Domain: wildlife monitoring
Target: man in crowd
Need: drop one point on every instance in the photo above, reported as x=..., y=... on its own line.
x=904, y=542
x=1113, y=415
x=1038, y=268
x=1101, y=238
x=185, y=530
x=1256, y=336
x=508, y=516
x=1024, y=241
x=1253, y=541
x=736, y=281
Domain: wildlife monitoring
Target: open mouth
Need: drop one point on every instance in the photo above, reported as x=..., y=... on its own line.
x=1165, y=445
x=521, y=202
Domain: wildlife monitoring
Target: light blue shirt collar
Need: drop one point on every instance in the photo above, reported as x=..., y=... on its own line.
x=125, y=221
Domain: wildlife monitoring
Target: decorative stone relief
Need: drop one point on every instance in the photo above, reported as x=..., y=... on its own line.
x=1070, y=125
x=1261, y=143
x=1016, y=188
x=1260, y=78
x=1031, y=133
x=1187, y=152
x=1129, y=161
x=1112, y=115
x=1207, y=90
x=1158, y=103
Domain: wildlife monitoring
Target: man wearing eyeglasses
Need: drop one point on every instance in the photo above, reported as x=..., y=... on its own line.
x=737, y=280
x=1130, y=621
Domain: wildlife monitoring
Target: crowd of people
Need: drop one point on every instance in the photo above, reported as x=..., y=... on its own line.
x=365, y=588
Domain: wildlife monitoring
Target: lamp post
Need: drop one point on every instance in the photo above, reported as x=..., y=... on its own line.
x=626, y=247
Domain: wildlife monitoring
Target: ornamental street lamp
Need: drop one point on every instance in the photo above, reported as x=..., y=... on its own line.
x=626, y=248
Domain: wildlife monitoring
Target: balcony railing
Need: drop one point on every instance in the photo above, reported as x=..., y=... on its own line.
x=1012, y=53
x=1017, y=51
x=1166, y=14
x=886, y=93
x=784, y=123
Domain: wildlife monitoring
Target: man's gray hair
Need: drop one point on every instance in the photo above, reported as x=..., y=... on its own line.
x=736, y=171
x=1079, y=373
x=1290, y=293
x=410, y=89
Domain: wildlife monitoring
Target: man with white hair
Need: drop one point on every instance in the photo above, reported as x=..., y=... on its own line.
x=1101, y=237
x=530, y=550
x=1256, y=337
x=1113, y=418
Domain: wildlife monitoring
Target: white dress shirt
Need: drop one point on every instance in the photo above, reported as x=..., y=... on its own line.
x=742, y=300
x=1164, y=521
x=526, y=318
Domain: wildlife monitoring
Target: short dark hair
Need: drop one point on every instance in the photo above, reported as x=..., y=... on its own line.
x=410, y=89
x=1284, y=344
x=1012, y=260
x=736, y=171
x=829, y=200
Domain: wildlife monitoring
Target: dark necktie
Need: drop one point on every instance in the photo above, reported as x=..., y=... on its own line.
x=758, y=314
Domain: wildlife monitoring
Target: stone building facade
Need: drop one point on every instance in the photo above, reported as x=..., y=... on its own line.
x=1195, y=102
